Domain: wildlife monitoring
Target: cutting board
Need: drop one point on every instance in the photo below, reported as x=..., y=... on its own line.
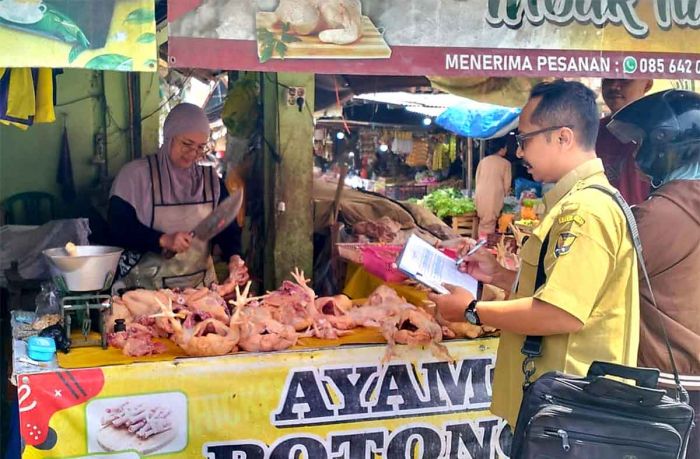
x=370, y=46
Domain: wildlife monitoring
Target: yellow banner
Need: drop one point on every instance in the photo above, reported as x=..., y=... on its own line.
x=93, y=34
x=339, y=403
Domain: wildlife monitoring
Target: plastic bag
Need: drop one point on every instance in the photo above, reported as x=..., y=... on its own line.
x=25, y=243
x=58, y=333
x=48, y=307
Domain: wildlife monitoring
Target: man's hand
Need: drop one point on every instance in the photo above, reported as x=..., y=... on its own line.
x=452, y=306
x=482, y=266
x=176, y=242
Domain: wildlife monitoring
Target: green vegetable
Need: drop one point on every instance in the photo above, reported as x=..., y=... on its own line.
x=448, y=202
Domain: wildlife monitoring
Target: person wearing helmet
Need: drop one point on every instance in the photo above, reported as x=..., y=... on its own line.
x=617, y=156
x=666, y=129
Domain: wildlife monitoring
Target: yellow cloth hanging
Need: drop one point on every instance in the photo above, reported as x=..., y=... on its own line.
x=21, y=101
x=44, y=97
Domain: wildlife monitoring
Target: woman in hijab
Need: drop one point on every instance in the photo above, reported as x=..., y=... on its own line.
x=666, y=127
x=157, y=201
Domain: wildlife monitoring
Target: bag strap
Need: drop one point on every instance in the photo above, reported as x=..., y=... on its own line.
x=532, y=347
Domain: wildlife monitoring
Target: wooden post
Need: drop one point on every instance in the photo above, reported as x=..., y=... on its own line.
x=288, y=177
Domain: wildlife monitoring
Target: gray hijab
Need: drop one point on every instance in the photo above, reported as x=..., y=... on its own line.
x=179, y=186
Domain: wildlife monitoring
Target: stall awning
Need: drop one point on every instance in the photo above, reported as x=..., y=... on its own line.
x=479, y=120
x=425, y=104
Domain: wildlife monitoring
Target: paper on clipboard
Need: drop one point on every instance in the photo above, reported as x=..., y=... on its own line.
x=432, y=268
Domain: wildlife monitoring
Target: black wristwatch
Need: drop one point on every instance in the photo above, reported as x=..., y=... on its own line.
x=470, y=314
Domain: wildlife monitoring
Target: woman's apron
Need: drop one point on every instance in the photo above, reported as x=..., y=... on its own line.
x=192, y=268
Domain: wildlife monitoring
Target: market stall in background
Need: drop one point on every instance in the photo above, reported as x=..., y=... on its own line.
x=343, y=140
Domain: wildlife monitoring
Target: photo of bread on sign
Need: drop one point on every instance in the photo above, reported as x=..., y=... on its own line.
x=318, y=29
x=148, y=424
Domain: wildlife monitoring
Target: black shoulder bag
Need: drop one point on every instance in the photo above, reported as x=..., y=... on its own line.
x=566, y=416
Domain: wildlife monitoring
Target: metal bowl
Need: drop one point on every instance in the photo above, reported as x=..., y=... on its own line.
x=91, y=269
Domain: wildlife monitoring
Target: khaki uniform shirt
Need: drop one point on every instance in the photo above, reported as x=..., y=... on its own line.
x=591, y=271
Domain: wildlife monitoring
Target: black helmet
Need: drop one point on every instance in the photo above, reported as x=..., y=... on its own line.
x=665, y=126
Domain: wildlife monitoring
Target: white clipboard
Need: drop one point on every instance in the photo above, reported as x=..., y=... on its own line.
x=421, y=261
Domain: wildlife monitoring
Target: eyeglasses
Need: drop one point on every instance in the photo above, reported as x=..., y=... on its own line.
x=201, y=149
x=521, y=138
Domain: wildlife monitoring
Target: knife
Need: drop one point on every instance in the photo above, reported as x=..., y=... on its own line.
x=216, y=221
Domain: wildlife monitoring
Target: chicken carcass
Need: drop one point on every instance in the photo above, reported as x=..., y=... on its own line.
x=136, y=341
x=336, y=310
x=258, y=330
x=288, y=306
x=335, y=21
x=208, y=338
x=143, y=302
x=238, y=275
x=322, y=325
x=382, y=304
x=414, y=326
x=119, y=311
x=205, y=300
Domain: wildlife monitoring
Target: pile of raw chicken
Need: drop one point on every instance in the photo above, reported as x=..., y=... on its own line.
x=201, y=322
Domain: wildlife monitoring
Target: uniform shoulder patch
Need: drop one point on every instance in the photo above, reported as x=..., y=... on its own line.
x=564, y=243
x=571, y=218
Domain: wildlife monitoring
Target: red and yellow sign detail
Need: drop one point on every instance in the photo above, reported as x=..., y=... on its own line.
x=340, y=403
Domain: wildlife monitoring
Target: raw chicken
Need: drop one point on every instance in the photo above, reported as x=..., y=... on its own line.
x=119, y=311
x=206, y=338
x=136, y=341
x=257, y=327
x=142, y=302
x=261, y=333
x=288, y=305
x=335, y=21
x=322, y=325
x=336, y=310
x=414, y=327
x=238, y=275
x=205, y=300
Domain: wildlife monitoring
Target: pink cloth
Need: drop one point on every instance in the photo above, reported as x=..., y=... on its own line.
x=620, y=166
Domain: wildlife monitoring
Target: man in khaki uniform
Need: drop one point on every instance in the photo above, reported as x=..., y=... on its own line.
x=588, y=306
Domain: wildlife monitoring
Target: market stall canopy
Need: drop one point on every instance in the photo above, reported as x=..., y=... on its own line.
x=92, y=34
x=333, y=88
x=439, y=37
x=425, y=104
x=475, y=119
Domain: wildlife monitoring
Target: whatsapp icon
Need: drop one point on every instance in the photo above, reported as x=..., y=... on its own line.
x=629, y=65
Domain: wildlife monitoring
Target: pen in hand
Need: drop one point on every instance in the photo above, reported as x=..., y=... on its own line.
x=471, y=252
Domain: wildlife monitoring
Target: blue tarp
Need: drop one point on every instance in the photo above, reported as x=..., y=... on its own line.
x=479, y=120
